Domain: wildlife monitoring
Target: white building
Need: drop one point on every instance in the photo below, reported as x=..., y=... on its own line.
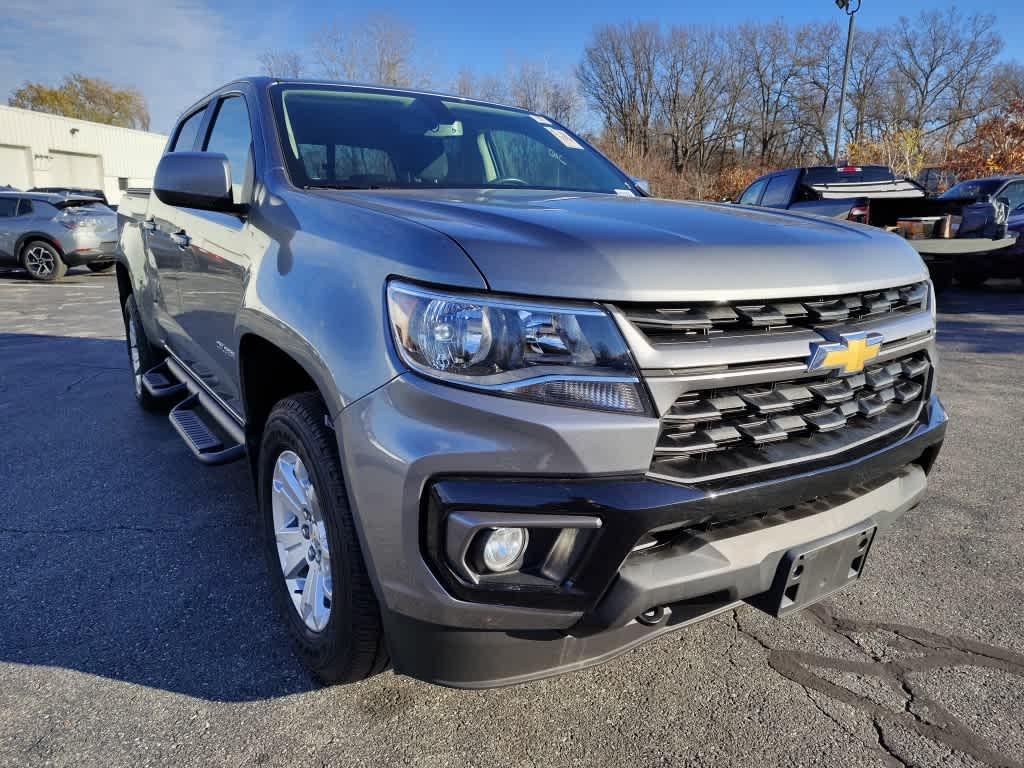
x=41, y=150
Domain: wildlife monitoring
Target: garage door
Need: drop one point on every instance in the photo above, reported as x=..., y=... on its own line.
x=15, y=167
x=71, y=170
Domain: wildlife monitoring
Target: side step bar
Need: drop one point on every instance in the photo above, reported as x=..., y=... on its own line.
x=209, y=431
x=161, y=384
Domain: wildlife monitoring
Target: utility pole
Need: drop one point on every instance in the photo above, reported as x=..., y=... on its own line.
x=844, y=5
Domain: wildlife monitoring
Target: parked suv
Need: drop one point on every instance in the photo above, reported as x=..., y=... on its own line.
x=47, y=233
x=506, y=416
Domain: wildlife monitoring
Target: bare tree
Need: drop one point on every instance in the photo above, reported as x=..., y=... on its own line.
x=618, y=76
x=769, y=54
x=282, y=63
x=868, y=84
x=938, y=60
x=378, y=48
x=699, y=95
x=819, y=60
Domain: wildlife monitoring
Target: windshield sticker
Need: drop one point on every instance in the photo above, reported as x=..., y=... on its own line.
x=565, y=138
x=624, y=193
x=541, y=119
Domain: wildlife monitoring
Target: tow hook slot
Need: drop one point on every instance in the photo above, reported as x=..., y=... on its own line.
x=652, y=617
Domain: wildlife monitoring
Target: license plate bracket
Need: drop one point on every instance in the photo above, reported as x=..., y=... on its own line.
x=812, y=572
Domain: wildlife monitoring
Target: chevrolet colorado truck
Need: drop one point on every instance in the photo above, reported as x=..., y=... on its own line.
x=873, y=194
x=507, y=416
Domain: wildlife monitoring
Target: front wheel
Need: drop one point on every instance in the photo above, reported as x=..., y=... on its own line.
x=42, y=261
x=313, y=556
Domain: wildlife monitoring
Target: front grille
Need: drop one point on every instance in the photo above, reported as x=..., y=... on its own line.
x=714, y=433
x=696, y=320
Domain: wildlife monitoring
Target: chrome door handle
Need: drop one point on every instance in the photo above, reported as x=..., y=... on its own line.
x=181, y=239
x=149, y=225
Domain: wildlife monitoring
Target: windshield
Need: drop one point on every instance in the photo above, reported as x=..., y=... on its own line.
x=361, y=138
x=974, y=189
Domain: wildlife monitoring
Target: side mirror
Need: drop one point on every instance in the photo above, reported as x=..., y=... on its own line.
x=195, y=180
x=643, y=185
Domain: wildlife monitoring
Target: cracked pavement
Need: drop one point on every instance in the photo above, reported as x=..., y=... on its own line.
x=137, y=631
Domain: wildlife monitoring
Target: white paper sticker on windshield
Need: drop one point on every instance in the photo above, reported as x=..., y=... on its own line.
x=624, y=193
x=541, y=119
x=565, y=138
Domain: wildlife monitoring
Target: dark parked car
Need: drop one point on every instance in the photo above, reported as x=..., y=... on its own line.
x=874, y=195
x=1007, y=190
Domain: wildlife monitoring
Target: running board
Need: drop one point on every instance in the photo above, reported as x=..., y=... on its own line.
x=161, y=384
x=209, y=431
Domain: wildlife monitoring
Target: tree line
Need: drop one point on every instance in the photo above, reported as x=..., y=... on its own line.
x=702, y=110
x=698, y=110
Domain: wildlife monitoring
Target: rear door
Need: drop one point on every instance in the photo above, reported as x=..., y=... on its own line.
x=215, y=267
x=161, y=229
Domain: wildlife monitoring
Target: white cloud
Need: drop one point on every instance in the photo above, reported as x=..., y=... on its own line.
x=174, y=51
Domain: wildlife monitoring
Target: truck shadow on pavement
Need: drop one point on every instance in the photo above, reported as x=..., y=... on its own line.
x=896, y=655
x=121, y=556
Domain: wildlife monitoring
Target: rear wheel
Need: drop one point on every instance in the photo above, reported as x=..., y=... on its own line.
x=142, y=356
x=313, y=556
x=42, y=261
x=101, y=266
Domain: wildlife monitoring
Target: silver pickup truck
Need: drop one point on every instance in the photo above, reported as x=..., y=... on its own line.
x=507, y=416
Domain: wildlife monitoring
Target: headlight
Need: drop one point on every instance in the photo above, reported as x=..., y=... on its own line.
x=563, y=355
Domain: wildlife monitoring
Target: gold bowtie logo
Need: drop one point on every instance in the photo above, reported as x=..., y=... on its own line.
x=850, y=353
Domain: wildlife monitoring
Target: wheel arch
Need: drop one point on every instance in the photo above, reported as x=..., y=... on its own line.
x=33, y=235
x=273, y=364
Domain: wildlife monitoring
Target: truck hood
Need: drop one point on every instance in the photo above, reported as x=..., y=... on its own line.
x=611, y=248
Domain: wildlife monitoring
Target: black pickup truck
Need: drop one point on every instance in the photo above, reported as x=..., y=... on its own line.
x=874, y=195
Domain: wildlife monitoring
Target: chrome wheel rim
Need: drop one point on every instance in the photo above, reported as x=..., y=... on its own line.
x=39, y=261
x=301, y=538
x=133, y=353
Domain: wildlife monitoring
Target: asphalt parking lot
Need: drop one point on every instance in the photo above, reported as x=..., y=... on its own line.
x=136, y=629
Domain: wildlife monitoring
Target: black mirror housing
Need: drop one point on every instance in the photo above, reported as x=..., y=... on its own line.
x=195, y=180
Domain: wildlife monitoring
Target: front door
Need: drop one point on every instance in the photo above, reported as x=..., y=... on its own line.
x=215, y=265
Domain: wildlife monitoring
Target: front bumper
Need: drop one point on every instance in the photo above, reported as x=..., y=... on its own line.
x=425, y=450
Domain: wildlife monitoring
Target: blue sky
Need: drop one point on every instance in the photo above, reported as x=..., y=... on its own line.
x=176, y=50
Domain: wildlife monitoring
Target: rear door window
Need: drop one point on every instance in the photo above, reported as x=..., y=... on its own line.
x=779, y=191
x=24, y=207
x=8, y=207
x=753, y=193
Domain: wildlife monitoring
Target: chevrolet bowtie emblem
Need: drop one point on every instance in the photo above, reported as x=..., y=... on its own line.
x=850, y=353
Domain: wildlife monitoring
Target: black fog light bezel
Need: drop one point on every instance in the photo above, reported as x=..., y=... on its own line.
x=530, y=584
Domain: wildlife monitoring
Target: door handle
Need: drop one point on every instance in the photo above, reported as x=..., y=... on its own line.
x=181, y=239
x=149, y=225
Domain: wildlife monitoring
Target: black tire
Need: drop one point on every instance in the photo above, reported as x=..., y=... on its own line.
x=972, y=280
x=350, y=647
x=42, y=261
x=148, y=355
x=100, y=266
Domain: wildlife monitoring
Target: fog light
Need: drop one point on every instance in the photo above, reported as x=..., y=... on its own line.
x=503, y=547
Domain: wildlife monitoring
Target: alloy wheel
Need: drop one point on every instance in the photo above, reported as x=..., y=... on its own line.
x=133, y=352
x=301, y=537
x=39, y=261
